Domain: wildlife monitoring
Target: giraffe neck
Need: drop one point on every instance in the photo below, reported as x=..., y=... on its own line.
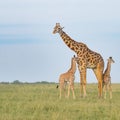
x=73, y=67
x=108, y=69
x=68, y=41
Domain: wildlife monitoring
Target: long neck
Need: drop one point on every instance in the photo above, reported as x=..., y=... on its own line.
x=68, y=41
x=108, y=69
x=73, y=67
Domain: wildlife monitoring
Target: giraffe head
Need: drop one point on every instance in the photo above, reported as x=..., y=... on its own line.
x=57, y=28
x=76, y=59
x=111, y=60
x=73, y=64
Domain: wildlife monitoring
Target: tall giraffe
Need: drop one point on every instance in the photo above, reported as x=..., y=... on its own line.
x=69, y=78
x=87, y=59
x=107, y=78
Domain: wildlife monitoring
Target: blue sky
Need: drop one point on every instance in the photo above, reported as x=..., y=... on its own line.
x=29, y=52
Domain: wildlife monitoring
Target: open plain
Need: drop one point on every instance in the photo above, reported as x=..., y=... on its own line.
x=41, y=102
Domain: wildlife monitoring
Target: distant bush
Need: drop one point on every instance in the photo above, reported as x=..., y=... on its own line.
x=17, y=82
x=4, y=82
x=44, y=82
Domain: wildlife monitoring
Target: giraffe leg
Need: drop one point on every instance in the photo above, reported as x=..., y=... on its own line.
x=81, y=89
x=110, y=91
x=61, y=88
x=73, y=93
x=72, y=88
x=110, y=88
x=68, y=90
x=83, y=82
x=64, y=87
x=99, y=76
x=60, y=92
x=105, y=91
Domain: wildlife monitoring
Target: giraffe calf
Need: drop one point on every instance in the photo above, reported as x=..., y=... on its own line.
x=107, y=78
x=68, y=78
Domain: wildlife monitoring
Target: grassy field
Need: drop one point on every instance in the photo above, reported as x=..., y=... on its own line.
x=41, y=102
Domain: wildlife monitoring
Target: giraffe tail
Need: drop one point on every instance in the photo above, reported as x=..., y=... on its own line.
x=57, y=86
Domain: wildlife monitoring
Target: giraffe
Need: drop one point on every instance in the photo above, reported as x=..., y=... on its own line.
x=68, y=78
x=87, y=59
x=107, y=78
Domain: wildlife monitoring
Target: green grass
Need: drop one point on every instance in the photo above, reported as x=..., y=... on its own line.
x=41, y=102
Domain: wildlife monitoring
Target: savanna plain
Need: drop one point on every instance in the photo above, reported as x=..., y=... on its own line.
x=41, y=102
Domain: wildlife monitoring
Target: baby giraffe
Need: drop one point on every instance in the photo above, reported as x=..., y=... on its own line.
x=107, y=78
x=68, y=78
